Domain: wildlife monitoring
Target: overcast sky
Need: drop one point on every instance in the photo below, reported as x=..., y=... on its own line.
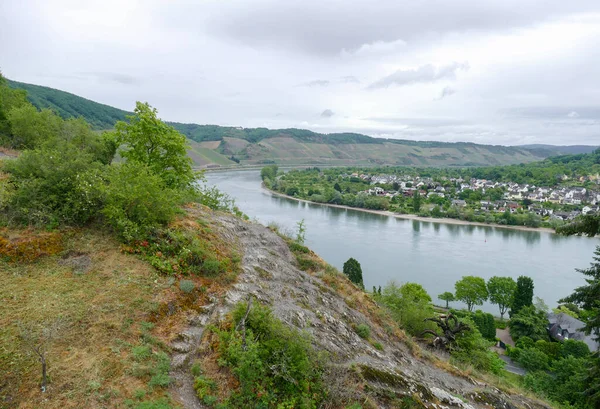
x=501, y=72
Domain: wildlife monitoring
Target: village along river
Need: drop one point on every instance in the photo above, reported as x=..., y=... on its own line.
x=434, y=255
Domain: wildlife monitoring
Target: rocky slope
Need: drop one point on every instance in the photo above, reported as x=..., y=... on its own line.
x=323, y=303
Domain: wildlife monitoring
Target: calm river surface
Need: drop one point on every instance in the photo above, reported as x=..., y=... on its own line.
x=434, y=255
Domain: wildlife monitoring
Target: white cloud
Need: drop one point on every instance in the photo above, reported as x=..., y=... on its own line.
x=531, y=75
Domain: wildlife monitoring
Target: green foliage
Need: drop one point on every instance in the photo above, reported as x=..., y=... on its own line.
x=269, y=172
x=471, y=290
x=409, y=305
x=67, y=105
x=501, y=291
x=552, y=349
x=529, y=322
x=587, y=297
x=30, y=127
x=473, y=349
x=204, y=387
x=363, y=331
x=353, y=271
x=523, y=296
x=275, y=364
x=180, y=251
x=447, y=296
x=54, y=185
x=416, y=203
x=533, y=359
x=148, y=141
x=300, y=232
x=187, y=286
x=137, y=201
x=574, y=348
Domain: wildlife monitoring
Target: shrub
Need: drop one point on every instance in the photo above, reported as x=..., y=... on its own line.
x=552, y=349
x=578, y=349
x=409, y=305
x=525, y=342
x=187, y=286
x=276, y=367
x=534, y=360
x=137, y=201
x=141, y=352
x=363, y=331
x=204, y=386
x=52, y=186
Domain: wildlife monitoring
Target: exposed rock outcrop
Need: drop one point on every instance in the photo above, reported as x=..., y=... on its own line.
x=306, y=301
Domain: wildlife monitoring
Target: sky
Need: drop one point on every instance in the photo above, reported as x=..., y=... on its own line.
x=496, y=72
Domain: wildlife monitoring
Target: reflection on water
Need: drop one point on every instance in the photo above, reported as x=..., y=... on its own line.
x=433, y=254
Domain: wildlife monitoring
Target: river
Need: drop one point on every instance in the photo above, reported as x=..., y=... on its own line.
x=432, y=254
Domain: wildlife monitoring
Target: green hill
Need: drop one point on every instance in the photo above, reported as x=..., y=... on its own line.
x=227, y=146
x=68, y=105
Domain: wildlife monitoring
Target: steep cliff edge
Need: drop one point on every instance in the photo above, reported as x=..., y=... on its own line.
x=326, y=305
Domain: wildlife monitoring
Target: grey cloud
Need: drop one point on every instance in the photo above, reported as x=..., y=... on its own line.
x=349, y=79
x=446, y=92
x=328, y=113
x=316, y=83
x=323, y=28
x=423, y=74
x=113, y=77
x=417, y=122
x=554, y=112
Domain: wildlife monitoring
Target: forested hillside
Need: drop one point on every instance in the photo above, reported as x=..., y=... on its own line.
x=68, y=105
x=230, y=146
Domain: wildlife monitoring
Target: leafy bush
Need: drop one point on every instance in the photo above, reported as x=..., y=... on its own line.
x=187, y=286
x=577, y=349
x=472, y=348
x=534, y=360
x=363, y=331
x=409, y=305
x=54, y=185
x=276, y=366
x=137, y=201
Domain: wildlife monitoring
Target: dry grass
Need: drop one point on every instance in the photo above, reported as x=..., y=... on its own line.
x=99, y=312
x=120, y=303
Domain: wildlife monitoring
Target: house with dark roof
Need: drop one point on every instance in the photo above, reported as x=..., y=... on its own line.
x=562, y=327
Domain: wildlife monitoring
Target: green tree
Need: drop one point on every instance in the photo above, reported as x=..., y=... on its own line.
x=9, y=99
x=471, y=290
x=137, y=201
x=447, y=296
x=409, y=305
x=501, y=290
x=353, y=271
x=31, y=127
x=530, y=323
x=533, y=359
x=269, y=172
x=588, y=296
x=147, y=140
x=523, y=294
x=337, y=187
x=416, y=201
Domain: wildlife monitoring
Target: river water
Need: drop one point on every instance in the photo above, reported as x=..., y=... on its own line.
x=434, y=255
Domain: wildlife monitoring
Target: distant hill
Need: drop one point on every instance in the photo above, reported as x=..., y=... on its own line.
x=229, y=146
x=563, y=150
x=68, y=105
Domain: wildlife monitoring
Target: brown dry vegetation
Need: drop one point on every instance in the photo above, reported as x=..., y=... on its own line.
x=117, y=303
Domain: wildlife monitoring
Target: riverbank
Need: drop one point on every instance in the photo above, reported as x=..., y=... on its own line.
x=415, y=217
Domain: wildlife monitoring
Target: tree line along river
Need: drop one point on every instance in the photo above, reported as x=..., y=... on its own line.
x=433, y=254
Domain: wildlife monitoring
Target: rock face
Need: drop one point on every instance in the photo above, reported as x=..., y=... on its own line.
x=306, y=301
